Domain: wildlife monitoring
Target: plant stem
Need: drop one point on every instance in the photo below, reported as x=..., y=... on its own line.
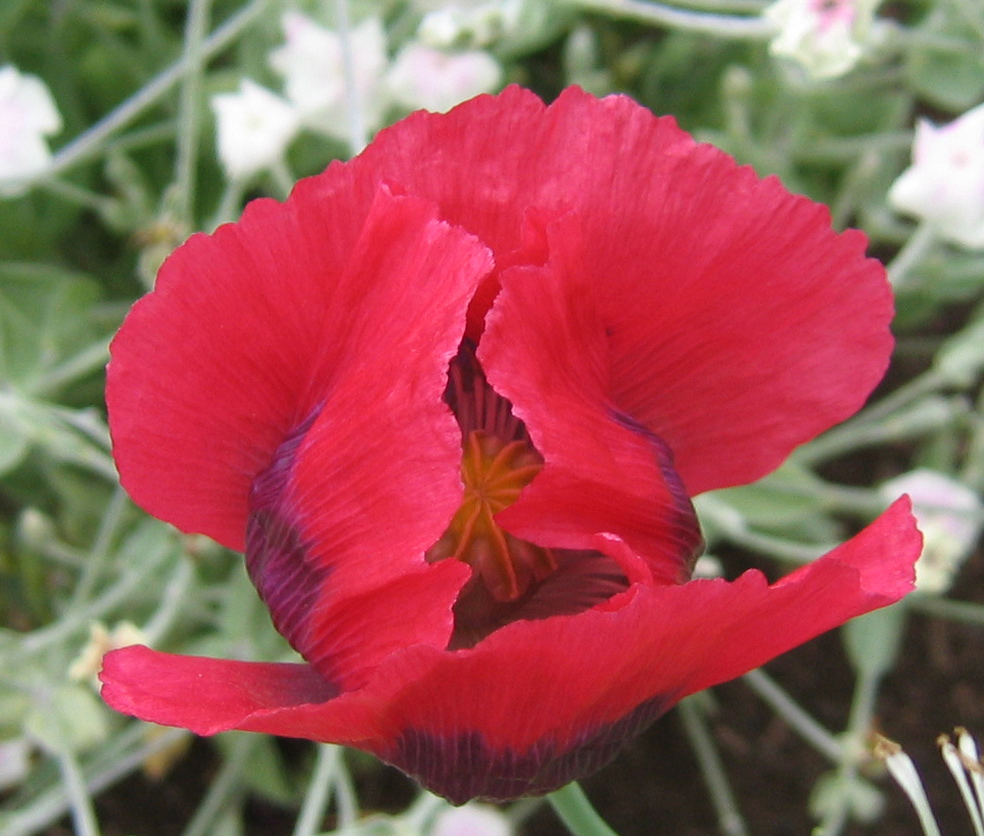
x=77, y=195
x=723, y=26
x=224, y=787
x=82, y=363
x=193, y=60
x=740, y=6
x=962, y=612
x=358, y=137
x=88, y=143
x=175, y=596
x=83, y=816
x=926, y=383
x=79, y=619
x=346, y=799
x=933, y=414
x=114, y=763
x=915, y=250
x=778, y=547
x=799, y=720
x=99, y=551
x=319, y=791
x=573, y=808
x=729, y=816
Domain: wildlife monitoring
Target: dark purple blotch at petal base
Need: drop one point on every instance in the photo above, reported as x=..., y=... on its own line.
x=464, y=767
x=686, y=534
x=276, y=552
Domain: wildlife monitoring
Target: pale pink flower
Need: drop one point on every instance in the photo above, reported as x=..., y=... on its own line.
x=312, y=64
x=826, y=38
x=944, y=186
x=427, y=78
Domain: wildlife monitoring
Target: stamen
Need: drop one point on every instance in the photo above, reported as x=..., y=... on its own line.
x=497, y=462
x=494, y=473
x=513, y=579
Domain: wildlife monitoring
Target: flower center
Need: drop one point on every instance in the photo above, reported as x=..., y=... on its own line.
x=497, y=462
x=494, y=472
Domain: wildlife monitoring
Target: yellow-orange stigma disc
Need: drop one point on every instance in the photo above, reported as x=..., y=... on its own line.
x=494, y=473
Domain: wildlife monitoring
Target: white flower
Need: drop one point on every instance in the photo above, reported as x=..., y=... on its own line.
x=708, y=566
x=474, y=24
x=27, y=115
x=254, y=128
x=945, y=184
x=950, y=516
x=86, y=665
x=422, y=77
x=826, y=37
x=311, y=62
x=472, y=820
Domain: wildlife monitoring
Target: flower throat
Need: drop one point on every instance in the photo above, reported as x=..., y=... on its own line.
x=498, y=461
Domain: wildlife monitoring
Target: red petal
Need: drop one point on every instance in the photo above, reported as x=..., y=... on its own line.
x=521, y=713
x=733, y=307
x=523, y=693
x=253, y=328
x=546, y=349
x=213, y=695
x=375, y=479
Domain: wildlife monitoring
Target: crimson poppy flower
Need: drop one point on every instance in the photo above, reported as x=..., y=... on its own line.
x=452, y=399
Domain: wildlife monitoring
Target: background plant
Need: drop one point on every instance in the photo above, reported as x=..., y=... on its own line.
x=164, y=116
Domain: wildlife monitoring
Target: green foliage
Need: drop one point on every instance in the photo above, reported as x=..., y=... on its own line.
x=944, y=67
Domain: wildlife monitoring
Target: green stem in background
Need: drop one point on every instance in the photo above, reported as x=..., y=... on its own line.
x=915, y=250
x=77, y=195
x=346, y=799
x=962, y=612
x=573, y=808
x=91, y=141
x=722, y=26
x=840, y=149
x=229, y=203
x=121, y=756
x=174, y=598
x=858, y=728
x=196, y=26
x=99, y=552
x=358, y=138
x=730, y=820
x=972, y=472
x=521, y=810
x=931, y=415
x=77, y=620
x=928, y=382
x=225, y=785
x=319, y=791
x=83, y=816
x=799, y=720
x=724, y=6
x=84, y=362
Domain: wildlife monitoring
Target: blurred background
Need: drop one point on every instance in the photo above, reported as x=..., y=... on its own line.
x=126, y=125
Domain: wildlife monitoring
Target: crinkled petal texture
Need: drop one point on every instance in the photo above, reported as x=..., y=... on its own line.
x=303, y=326
x=662, y=321
x=538, y=703
x=732, y=307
